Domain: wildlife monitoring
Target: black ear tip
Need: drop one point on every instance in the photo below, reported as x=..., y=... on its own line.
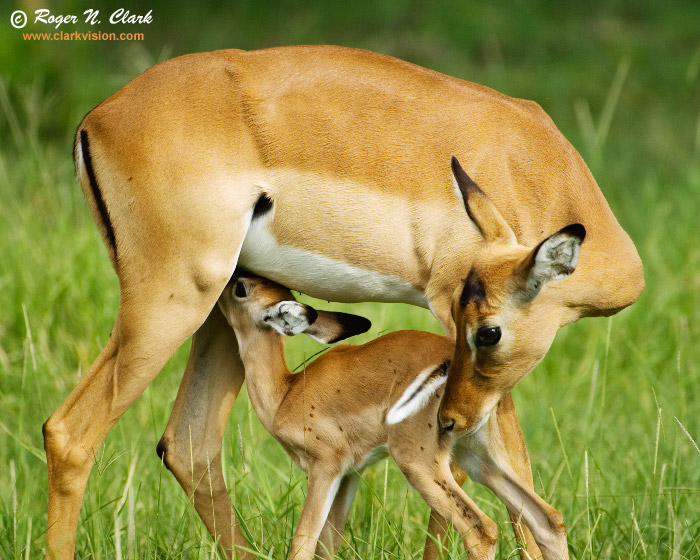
x=356, y=323
x=353, y=324
x=350, y=325
x=575, y=230
x=311, y=315
x=464, y=181
x=458, y=170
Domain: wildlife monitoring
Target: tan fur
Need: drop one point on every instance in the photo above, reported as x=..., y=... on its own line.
x=527, y=318
x=353, y=148
x=331, y=416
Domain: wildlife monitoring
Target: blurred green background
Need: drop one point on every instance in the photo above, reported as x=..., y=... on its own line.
x=559, y=53
x=611, y=416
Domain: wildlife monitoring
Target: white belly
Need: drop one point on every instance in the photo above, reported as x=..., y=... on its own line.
x=320, y=276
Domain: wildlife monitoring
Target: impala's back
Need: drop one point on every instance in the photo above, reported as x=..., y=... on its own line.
x=351, y=150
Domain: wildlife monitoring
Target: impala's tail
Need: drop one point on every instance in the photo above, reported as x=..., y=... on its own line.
x=416, y=396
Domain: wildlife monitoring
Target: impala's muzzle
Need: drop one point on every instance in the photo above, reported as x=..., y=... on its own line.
x=465, y=417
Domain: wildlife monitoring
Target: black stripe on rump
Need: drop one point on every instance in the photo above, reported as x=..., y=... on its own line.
x=99, y=201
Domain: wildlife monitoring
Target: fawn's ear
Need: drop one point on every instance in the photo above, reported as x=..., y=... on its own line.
x=555, y=258
x=332, y=326
x=289, y=317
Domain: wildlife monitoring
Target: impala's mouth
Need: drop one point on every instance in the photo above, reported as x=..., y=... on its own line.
x=480, y=424
x=458, y=425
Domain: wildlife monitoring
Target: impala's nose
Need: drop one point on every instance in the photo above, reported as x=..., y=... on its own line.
x=462, y=418
x=459, y=425
x=451, y=421
x=447, y=424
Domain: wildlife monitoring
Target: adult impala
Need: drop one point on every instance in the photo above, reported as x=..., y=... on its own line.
x=325, y=169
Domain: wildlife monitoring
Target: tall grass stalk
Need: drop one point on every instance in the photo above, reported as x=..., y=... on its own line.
x=595, y=133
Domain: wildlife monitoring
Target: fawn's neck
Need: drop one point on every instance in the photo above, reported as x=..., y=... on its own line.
x=268, y=378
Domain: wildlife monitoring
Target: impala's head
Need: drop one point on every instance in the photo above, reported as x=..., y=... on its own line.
x=506, y=311
x=251, y=302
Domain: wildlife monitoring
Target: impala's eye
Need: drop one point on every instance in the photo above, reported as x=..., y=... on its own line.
x=239, y=290
x=488, y=336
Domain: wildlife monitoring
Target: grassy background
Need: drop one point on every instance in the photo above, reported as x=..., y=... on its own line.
x=609, y=416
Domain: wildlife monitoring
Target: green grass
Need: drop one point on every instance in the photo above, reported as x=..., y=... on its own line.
x=611, y=416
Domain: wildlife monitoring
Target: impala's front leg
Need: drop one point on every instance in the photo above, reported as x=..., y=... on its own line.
x=515, y=455
x=191, y=444
x=322, y=490
x=512, y=443
x=496, y=461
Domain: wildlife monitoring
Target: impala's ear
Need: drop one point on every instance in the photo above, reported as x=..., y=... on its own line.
x=289, y=317
x=333, y=326
x=555, y=258
x=480, y=208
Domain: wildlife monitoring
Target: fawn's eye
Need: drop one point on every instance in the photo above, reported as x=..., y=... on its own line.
x=488, y=336
x=239, y=289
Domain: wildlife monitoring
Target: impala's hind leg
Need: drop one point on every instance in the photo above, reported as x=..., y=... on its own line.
x=152, y=323
x=168, y=288
x=191, y=444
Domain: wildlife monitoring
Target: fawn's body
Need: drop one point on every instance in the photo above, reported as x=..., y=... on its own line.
x=332, y=417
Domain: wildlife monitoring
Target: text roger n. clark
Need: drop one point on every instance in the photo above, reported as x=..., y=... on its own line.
x=92, y=17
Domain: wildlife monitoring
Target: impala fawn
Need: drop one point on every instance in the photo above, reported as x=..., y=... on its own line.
x=355, y=404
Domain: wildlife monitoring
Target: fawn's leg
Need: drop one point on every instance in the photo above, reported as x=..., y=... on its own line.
x=332, y=532
x=515, y=453
x=323, y=486
x=429, y=473
x=437, y=526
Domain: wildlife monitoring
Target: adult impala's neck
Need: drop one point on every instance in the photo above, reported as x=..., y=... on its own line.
x=268, y=378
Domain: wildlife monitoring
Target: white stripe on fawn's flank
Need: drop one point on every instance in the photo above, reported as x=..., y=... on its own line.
x=418, y=393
